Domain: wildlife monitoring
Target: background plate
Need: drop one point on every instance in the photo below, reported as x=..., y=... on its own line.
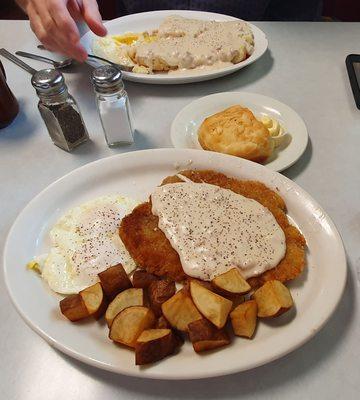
x=135, y=174
x=151, y=20
x=187, y=122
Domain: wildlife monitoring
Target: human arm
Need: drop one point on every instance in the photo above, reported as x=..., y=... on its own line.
x=54, y=23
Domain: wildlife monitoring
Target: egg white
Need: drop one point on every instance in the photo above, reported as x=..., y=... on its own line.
x=108, y=48
x=84, y=242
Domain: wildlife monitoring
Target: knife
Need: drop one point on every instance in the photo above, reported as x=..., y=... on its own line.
x=17, y=61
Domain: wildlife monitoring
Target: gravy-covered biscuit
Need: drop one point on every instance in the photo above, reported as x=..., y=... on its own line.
x=237, y=132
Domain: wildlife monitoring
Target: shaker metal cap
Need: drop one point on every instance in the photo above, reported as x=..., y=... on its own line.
x=107, y=78
x=48, y=81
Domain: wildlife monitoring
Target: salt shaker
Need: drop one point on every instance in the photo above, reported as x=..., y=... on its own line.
x=59, y=110
x=113, y=105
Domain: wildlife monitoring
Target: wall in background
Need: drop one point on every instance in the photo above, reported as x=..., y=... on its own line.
x=342, y=10
x=9, y=10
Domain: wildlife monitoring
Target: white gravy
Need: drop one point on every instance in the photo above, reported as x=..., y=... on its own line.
x=214, y=229
x=188, y=43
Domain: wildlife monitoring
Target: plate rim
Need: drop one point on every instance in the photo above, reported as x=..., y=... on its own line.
x=150, y=375
x=195, y=102
x=178, y=79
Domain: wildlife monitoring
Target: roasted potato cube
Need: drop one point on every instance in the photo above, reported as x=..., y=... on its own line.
x=142, y=279
x=127, y=298
x=73, y=308
x=159, y=292
x=244, y=318
x=231, y=283
x=211, y=305
x=162, y=323
x=95, y=300
x=114, y=280
x=153, y=345
x=180, y=310
x=90, y=301
x=128, y=325
x=237, y=300
x=186, y=287
x=273, y=299
x=205, y=336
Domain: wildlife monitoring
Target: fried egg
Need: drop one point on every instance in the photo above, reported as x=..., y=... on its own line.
x=113, y=50
x=84, y=242
x=118, y=48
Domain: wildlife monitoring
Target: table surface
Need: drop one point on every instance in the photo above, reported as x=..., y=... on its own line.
x=304, y=68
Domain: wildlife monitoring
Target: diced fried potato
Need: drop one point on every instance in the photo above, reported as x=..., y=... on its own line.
x=94, y=299
x=127, y=298
x=128, y=325
x=114, y=280
x=273, y=299
x=244, y=318
x=205, y=336
x=237, y=300
x=180, y=310
x=142, y=279
x=186, y=287
x=73, y=308
x=211, y=305
x=162, y=323
x=231, y=283
x=159, y=292
x=153, y=345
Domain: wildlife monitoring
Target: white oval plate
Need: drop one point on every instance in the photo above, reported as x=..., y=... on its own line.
x=184, y=129
x=135, y=174
x=151, y=20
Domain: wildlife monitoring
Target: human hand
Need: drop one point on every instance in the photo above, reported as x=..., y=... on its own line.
x=53, y=22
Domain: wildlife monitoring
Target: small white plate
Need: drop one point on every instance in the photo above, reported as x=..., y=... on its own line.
x=151, y=20
x=316, y=293
x=184, y=129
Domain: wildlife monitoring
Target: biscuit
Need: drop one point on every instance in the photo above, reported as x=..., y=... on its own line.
x=237, y=132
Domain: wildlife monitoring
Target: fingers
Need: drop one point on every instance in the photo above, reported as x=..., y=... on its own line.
x=38, y=28
x=93, y=18
x=74, y=10
x=53, y=23
x=55, y=28
x=63, y=23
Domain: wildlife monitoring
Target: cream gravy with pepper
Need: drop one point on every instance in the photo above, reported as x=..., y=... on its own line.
x=184, y=43
x=214, y=229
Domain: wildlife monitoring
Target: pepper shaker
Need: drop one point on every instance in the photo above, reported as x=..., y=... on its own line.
x=59, y=110
x=113, y=105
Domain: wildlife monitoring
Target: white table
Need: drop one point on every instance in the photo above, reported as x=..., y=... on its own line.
x=304, y=69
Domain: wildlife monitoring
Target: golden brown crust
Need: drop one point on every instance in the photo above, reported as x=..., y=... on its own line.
x=151, y=250
x=291, y=265
x=237, y=132
x=147, y=244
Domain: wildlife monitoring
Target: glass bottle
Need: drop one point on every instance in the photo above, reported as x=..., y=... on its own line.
x=59, y=110
x=113, y=105
x=9, y=107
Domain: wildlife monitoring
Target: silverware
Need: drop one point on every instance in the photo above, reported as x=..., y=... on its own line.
x=121, y=66
x=57, y=64
x=17, y=61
